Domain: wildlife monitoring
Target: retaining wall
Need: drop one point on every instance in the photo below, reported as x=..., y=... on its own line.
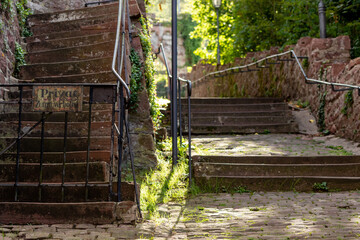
x=328, y=59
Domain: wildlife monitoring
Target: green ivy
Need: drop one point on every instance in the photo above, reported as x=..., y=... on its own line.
x=19, y=59
x=5, y=5
x=135, y=81
x=149, y=73
x=349, y=101
x=23, y=13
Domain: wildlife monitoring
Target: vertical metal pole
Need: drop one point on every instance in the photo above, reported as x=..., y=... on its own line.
x=111, y=163
x=189, y=132
x=174, y=85
x=322, y=19
x=180, y=113
x=18, y=146
x=218, y=37
x=89, y=144
x=120, y=140
x=64, y=158
x=41, y=154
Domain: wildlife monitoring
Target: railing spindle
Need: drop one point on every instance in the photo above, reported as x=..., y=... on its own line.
x=64, y=158
x=41, y=154
x=88, y=145
x=18, y=146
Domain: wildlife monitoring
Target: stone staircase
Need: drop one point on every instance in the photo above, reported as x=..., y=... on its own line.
x=239, y=115
x=74, y=46
x=220, y=168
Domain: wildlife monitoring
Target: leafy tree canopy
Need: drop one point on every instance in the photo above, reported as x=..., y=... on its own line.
x=256, y=25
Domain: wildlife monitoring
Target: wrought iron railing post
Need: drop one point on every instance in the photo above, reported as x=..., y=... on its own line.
x=18, y=145
x=88, y=144
x=66, y=118
x=41, y=154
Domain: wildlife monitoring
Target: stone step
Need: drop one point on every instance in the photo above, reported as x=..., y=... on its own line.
x=275, y=113
x=243, y=129
x=98, y=77
x=276, y=183
x=277, y=173
x=72, y=25
x=57, y=157
x=232, y=120
x=96, y=213
x=96, y=116
x=70, y=15
x=56, y=129
x=99, y=50
x=277, y=159
x=74, y=192
x=66, y=68
x=54, y=144
x=52, y=173
x=184, y=101
x=224, y=108
x=267, y=169
x=47, y=45
x=82, y=32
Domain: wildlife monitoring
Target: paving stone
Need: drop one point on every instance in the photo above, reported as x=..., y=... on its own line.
x=84, y=226
x=4, y=230
x=63, y=226
x=38, y=235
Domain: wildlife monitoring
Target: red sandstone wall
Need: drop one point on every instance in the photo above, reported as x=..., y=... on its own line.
x=9, y=34
x=285, y=80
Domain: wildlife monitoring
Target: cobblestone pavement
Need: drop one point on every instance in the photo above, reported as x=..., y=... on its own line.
x=270, y=215
x=274, y=144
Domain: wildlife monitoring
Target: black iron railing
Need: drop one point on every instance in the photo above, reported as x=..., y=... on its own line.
x=179, y=113
x=98, y=94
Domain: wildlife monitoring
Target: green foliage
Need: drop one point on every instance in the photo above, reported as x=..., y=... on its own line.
x=23, y=13
x=135, y=81
x=349, y=102
x=339, y=151
x=256, y=25
x=5, y=5
x=149, y=73
x=19, y=59
x=320, y=187
x=165, y=183
x=185, y=26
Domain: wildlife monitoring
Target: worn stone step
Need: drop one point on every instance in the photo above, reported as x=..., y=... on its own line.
x=276, y=159
x=184, y=101
x=72, y=25
x=52, y=173
x=70, y=15
x=28, y=107
x=47, y=45
x=66, y=68
x=57, y=157
x=83, y=31
x=276, y=183
x=99, y=50
x=238, y=114
x=96, y=116
x=268, y=169
x=54, y=144
x=68, y=213
x=243, y=129
x=98, y=77
x=56, y=129
x=74, y=192
x=224, y=108
x=232, y=120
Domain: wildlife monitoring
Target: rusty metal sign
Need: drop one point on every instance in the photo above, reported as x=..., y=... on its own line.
x=57, y=99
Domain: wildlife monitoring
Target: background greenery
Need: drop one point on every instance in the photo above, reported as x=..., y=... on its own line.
x=256, y=25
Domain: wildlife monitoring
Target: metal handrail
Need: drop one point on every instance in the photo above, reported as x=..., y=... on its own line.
x=189, y=88
x=121, y=16
x=293, y=56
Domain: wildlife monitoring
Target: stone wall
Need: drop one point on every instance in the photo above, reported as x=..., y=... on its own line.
x=328, y=59
x=9, y=35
